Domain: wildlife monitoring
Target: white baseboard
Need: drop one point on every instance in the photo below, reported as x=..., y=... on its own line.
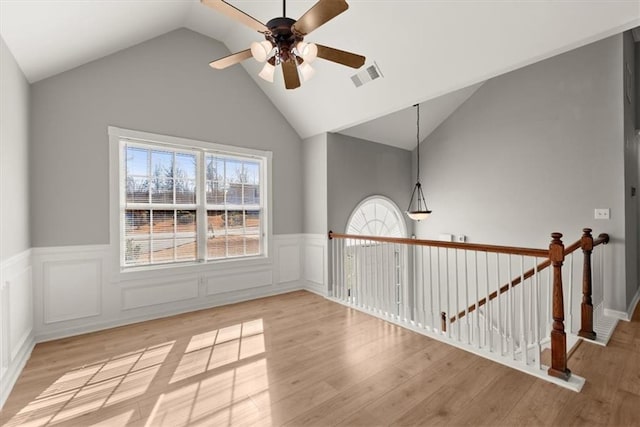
x=10, y=376
x=316, y=288
x=634, y=303
x=622, y=315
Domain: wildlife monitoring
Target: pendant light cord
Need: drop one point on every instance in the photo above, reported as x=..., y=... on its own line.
x=418, y=140
x=284, y=8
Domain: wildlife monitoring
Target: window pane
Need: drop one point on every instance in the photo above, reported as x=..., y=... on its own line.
x=252, y=244
x=252, y=232
x=136, y=252
x=185, y=191
x=161, y=190
x=137, y=222
x=235, y=222
x=162, y=222
x=235, y=246
x=137, y=189
x=163, y=250
x=185, y=166
x=162, y=163
x=215, y=192
x=251, y=194
x=234, y=194
x=186, y=249
x=186, y=222
x=252, y=172
x=137, y=161
x=216, y=235
x=235, y=233
x=234, y=170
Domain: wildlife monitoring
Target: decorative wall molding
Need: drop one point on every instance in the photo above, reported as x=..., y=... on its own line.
x=315, y=267
x=102, y=299
x=151, y=294
x=71, y=289
x=16, y=319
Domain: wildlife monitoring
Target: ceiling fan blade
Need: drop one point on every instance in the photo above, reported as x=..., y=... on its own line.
x=340, y=56
x=291, y=78
x=230, y=60
x=319, y=14
x=235, y=13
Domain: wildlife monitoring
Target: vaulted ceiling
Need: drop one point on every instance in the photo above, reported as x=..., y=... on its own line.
x=432, y=52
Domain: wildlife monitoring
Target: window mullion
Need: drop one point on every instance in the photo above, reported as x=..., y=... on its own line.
x=201, y=203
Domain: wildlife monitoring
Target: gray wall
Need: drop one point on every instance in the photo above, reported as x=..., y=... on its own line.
x=314, y=165
x=161, y=86
x=357, y=169
x=14, y=157
x=532, y=152
x=630, y=165
x=637, y=83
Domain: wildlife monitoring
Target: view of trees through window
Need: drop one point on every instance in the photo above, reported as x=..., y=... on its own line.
x=166, y=197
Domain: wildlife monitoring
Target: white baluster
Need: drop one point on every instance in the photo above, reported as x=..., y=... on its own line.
x=523, y=340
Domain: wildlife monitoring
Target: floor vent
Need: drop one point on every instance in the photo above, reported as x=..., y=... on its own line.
x=370, y=73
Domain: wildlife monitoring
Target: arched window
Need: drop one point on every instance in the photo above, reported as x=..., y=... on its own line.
x=377, y=216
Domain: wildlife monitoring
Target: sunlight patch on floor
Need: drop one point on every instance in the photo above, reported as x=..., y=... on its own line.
x=87, y=389
x=221, y=399
x=221, y=347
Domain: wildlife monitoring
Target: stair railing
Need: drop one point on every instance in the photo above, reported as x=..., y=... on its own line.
x=366, y=273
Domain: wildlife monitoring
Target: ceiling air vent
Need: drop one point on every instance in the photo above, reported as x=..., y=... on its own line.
x=370, y=73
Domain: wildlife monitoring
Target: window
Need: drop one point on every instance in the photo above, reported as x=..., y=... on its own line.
x=184, y=201
x=377, y=216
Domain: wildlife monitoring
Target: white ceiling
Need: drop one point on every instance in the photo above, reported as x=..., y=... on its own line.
x=425, y=49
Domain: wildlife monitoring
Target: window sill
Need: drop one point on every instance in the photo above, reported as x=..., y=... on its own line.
x=224, y=266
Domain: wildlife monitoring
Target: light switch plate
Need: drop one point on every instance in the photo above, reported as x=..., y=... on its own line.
x=602, y=213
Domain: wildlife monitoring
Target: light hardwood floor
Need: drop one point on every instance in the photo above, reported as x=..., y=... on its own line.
x=299, y=359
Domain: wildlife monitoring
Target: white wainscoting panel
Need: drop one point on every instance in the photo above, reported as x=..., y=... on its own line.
x=221, y=283
x=288, y=251
x=20, y=310
x=159, y=293
x=16, y=319
x=315, y=267
x=71, y=289
x=78, y=290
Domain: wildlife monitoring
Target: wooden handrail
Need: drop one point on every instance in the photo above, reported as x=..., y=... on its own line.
x=603, y=239
x=449, y=245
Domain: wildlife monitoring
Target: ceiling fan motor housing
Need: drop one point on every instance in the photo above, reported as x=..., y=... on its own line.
x=282, y=36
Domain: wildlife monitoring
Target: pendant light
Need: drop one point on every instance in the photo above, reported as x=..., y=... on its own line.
x=421, y=211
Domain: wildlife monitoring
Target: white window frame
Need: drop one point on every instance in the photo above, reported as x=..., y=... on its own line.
x=117, y=137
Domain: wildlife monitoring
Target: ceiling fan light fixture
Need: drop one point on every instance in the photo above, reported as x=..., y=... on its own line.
x=267, y=72
x=306, y=70
x=260, y=51
x=308, y=51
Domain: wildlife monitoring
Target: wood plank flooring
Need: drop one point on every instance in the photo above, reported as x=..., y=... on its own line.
x=299, y=359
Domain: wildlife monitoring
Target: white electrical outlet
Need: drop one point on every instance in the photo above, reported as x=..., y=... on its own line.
x=602, y=213
x=461, y=238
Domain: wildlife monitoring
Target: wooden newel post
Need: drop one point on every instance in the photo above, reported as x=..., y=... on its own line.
x=586, y=308
x=558, y=337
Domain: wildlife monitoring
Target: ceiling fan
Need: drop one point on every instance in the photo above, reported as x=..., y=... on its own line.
x=284, y=41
